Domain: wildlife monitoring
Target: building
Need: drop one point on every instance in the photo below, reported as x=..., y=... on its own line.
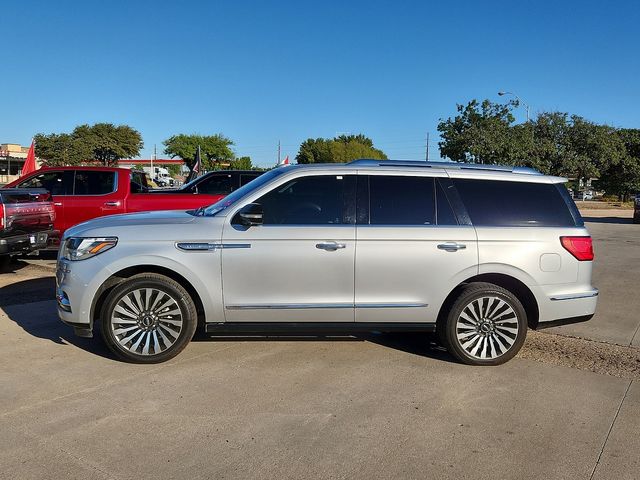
x=12, y=157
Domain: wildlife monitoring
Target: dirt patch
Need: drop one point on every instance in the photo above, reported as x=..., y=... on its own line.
x=600, y=205
x=598, y=357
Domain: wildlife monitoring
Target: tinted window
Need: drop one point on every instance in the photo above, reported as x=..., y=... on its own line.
x=247, y=177
x=317, y=200
x=445, y=215
x=517, y=204
x=52, y=181
x=216, y=185
x=401, y=200
x=88, y=182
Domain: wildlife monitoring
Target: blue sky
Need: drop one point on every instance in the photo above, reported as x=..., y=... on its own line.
x=260, y=72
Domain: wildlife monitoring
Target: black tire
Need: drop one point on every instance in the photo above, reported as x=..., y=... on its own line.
x=163, y=333
x=491, y=321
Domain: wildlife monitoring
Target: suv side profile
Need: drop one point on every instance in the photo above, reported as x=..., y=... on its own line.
x=477, y=254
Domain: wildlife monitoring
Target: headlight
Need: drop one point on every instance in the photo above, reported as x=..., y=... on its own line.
x=79, y=248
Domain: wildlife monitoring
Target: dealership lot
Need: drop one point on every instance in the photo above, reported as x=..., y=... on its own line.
x=368, y=407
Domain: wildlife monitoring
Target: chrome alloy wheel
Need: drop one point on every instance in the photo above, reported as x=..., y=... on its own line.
x=146, y=321
x=487, y=327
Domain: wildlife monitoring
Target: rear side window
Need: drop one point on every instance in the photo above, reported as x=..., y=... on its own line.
x=514, y=204
x=396, y=200
x=94, y=182
x=246, y=178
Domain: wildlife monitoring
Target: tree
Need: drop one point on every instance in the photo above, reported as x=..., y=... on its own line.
x=480, y=133
x=60, y=149
x=108, y=142
x=242, y=163
x=623, y=177
x=213, y=148
x=341, y=149
x=103, y=142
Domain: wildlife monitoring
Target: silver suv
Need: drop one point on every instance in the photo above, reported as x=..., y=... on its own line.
x=474, y=253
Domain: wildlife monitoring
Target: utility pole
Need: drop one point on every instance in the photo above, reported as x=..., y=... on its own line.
x=152, y=159
x=278, y=152
x=427, y=153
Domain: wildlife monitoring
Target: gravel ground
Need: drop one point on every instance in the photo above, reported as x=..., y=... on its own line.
x=598, y=357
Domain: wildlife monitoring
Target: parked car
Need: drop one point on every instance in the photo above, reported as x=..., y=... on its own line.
x=636, y=209
x=475, y=253
x=221, y=182
x=83, y=193
x=26, y=221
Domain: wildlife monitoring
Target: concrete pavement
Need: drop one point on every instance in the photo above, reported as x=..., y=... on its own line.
x=382, y=407
x=617, y=274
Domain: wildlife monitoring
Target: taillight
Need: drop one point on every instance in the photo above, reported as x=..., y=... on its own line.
x=579, y=247
x=1, y=215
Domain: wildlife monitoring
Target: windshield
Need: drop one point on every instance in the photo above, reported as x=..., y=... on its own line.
x=233, y=197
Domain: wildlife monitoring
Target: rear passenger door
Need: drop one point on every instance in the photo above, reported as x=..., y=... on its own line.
x=412, y=248
x=95, y=194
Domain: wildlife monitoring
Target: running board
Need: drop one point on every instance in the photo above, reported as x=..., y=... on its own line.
x=297, y=328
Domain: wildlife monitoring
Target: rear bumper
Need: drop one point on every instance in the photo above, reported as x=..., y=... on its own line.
x=25, y=242
x=567, y=307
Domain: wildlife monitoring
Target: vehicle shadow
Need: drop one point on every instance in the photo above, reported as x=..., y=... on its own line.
x=31, y=306
x=420, y=344
x=37, y=316
x=619, y=220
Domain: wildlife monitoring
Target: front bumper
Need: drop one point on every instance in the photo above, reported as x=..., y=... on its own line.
x=25, y=243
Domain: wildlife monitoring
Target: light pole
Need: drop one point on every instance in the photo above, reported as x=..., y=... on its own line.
x=501, y=93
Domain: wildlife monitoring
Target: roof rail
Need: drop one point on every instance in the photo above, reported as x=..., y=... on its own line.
x=366, y=162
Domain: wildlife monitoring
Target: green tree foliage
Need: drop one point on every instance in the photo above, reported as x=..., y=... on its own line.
x=214, y=149
x=242, y=163
x=622, y=178
x=480, y=133
x=104, y=142
x=174, y=170
x=554, y=142
x=341, y=149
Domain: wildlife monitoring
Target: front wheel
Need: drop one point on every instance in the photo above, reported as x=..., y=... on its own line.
x=148, y=318
x=486, y=325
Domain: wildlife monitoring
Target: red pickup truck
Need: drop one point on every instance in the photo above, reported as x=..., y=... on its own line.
x=83, y=193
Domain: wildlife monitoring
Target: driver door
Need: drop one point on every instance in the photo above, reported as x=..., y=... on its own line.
x=298, y=266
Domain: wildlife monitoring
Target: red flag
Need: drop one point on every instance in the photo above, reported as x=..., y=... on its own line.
x=30, y=162
x=286, y=160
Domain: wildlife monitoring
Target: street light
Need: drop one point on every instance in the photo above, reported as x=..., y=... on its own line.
x=501, y=93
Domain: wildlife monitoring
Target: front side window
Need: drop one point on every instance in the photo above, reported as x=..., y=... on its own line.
x=216, y=185
x=398, y=200
x=52, y=181
x=313, y=200
x=94, y=182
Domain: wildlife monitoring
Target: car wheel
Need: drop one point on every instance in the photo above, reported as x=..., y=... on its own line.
x=148, y=318
x=486, y=325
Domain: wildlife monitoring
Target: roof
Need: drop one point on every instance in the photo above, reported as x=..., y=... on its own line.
x=452, y=169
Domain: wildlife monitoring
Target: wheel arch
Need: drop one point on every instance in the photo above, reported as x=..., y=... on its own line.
x=128, y=272
x=508, y=282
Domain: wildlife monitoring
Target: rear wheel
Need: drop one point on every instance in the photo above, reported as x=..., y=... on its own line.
x=148, y=318
x=486, y=325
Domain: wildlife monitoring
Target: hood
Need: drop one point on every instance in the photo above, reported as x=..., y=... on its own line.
x=145, y=221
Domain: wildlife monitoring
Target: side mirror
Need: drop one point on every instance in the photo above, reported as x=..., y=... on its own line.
x=250, y=214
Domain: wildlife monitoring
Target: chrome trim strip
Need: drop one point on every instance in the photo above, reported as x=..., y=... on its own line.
x=301, y=306
x=288, y=306
x=391, y=305
x=208, y=246
x=575, y=296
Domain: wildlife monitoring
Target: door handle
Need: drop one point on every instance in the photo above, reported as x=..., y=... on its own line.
x=57, y=204
x=330, y=246
x=452, y=246
x=112, y=204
